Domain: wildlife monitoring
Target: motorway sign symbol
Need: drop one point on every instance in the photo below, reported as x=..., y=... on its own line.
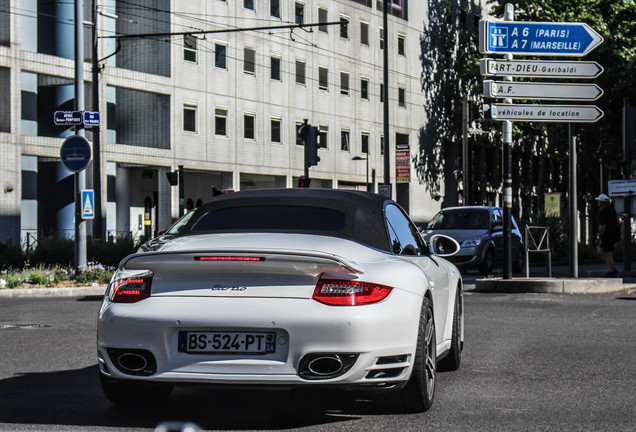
x=537, y=38
x=67, y=118
x=91, y=118
x=88, y=203
x=75, y=153
x=546, y=113
x=541, y=90
x=540, y=68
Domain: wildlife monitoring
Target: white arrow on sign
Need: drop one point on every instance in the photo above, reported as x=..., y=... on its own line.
x=540, y=68
x=541, y=90
x=546, y=113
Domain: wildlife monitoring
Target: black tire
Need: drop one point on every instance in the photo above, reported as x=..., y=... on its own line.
x=486, y=265
x=454, y=357
x=517, y=265
x=417, y=395
x=134, y=393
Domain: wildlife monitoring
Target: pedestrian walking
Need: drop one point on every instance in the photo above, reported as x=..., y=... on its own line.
x=609, y=232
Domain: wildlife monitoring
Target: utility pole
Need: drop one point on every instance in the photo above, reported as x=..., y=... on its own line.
x=629, y=118
x=79, y=177
x=574, y=225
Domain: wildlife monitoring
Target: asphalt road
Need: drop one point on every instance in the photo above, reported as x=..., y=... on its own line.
x=531, y=363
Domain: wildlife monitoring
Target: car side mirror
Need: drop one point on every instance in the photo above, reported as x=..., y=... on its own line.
x=443, y=246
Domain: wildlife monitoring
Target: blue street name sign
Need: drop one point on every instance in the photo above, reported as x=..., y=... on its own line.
x=88, y=203
x=67, y=118
x=537, y=38
x=75, y=153
x=91, y=118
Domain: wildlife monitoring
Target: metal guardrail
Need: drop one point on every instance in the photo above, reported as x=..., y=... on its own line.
x=531, y=245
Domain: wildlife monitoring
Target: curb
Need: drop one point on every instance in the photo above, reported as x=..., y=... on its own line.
x=552, y=285
x=53, y=292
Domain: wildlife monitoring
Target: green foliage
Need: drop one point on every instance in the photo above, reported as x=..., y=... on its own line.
x=11, y=256
x=95, y=272
x=110, y=253
x=53, y=251
x=599, y=143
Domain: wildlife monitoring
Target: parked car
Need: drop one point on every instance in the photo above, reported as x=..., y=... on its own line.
x=479, y=231
x=285, y=287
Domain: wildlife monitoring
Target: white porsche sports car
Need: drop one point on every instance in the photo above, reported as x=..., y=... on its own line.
x=285, y=287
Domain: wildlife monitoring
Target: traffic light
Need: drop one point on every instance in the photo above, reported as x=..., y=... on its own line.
x=173, y=177
x=311, y=147
x=303, y=182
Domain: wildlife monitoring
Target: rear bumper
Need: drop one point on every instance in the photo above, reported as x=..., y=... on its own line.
x=375, y=333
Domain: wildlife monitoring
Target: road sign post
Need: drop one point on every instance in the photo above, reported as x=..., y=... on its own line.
x=542, y=90
x=538, y=39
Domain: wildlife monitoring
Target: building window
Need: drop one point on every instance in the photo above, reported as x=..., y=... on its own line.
x=323, y=132
x=364, y=142
x=344, y=83
x=249, y=61
x=248, y=4
x=189, y=48
x=381, y=93
x=381, y=38
x=401, y=45
x=220, y=122
x=220, y=56
x=275, y=130
x=299, y=13
x=249, y=126
x=402, y=97
x=381, y=145
x=274, y=8
x=275, y=68
x=323, y=78
x=344, y=140
x=364, y=88
x=190, y=118
x=364, y=33
x=344, y=27
x=300, y=72
x=322, y=18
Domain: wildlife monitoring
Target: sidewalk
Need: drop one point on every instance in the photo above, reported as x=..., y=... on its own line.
x=592, y=279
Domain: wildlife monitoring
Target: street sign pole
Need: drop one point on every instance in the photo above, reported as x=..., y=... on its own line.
x=507, y=172
x=80, y=177
x=574, y=220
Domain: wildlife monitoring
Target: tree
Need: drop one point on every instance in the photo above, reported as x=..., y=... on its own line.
x=450, y=70
x=599, y=144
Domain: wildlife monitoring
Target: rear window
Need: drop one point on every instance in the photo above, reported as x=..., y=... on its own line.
x=460, y=219
x=272, y=218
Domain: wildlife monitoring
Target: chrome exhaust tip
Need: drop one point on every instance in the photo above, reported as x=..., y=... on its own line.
x=320, y=366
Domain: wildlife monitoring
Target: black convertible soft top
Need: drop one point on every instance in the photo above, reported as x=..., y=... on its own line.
x=353, y=215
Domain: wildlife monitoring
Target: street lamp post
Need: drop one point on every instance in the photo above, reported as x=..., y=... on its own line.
x=357, y=158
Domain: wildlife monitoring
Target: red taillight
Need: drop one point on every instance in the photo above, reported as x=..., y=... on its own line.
x=228, y=258
x=130, y=289
x=334, y=292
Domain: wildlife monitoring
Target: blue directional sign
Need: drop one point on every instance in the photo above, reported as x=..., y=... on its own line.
x=88, y=203
x=67, y=118
x=537, y=38
x=91, y=118
x=75, y=153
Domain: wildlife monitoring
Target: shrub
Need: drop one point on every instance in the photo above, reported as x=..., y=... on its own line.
x=11, y=256
x=109, y=252
x=53, y=251
x=95, y=272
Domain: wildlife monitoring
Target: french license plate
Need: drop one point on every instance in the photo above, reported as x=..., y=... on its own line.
x=214, y=342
